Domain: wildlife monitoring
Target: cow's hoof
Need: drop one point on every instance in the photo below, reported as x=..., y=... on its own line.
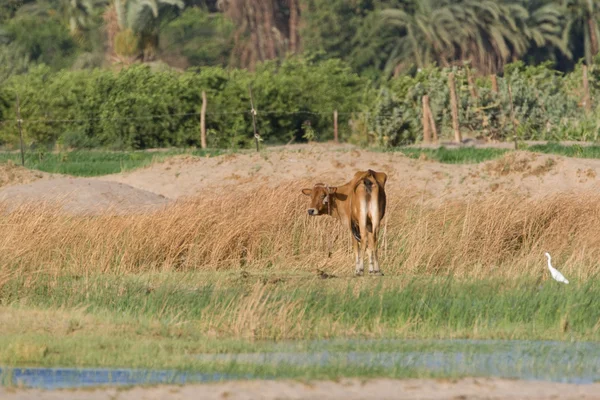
x=376, y=273
x=358, y=273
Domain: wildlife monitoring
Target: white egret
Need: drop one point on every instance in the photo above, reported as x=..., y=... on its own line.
x=555, y=273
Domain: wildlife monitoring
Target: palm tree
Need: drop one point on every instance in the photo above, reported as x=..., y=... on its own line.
x=583, y=19
x=546, y=30
x=80, y=12
x=421, y=38
x=488, y=33
x=135, y=25
x=266, y=29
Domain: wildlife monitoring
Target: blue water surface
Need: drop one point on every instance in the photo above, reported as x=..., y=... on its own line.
x=65, y=378
x=567, y=362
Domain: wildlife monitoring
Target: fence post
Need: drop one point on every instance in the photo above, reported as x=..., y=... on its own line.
x=454, y=103
x=335, y=126
x=586, y=90
x=432, y=122
x=426, y=121
x=19, y=123
x=203, y=121
x=471, y=82
x=256, y=136
x=512, y=117
x=494, y=83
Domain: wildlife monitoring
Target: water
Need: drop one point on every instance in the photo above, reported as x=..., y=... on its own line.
x=577, y=362
x=66, y=378
x=565, y=362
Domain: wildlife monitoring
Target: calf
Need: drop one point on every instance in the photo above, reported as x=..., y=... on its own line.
x=360, y=206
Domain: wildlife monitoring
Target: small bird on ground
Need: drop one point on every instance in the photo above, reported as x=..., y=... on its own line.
x=555, y=273
x=324, y=275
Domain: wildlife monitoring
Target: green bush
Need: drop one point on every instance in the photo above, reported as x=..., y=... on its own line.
x=545, y=105
x=139, y=108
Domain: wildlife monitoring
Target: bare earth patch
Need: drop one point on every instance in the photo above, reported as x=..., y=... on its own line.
x=345, y=389
x=12, y=174
x=82, y=196
x=535, y=175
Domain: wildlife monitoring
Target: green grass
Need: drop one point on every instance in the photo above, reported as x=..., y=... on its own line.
x=462, y=155
x=96, y=163
x=472, y=155
x=160, y=321
x=577, y=151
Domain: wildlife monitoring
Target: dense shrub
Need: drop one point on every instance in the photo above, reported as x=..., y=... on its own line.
x=545, y=105
x=139, y=107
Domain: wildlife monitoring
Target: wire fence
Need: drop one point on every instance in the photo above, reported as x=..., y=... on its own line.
x=197, y=114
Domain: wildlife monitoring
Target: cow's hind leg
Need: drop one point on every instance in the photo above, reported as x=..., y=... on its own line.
x=373, y=256
x=359, y=267
x=364, y=234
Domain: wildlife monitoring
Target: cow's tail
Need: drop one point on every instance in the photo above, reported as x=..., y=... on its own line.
x=372, y=190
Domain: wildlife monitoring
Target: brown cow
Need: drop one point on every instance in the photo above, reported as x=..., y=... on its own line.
x=360, y=206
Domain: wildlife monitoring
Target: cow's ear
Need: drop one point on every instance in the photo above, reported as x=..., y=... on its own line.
x=307, y=192
x=332, y=190
x=381, y=178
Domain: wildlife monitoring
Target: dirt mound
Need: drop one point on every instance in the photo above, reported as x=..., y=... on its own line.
x=523, y=163
x=185, y=176
x=11, y=174
x=82, y=196
x=536, y=175
x=524, y=172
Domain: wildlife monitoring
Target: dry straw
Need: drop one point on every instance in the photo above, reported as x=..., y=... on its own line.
x=268, y=229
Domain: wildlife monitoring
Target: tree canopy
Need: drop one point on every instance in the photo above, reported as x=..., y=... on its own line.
x=378, y=38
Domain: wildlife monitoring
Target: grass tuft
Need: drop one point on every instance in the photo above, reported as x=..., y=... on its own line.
x=96, y=163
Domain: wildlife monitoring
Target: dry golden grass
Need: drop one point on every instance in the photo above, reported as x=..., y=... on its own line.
x=268, y=229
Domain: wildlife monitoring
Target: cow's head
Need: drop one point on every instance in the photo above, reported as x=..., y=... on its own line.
x=320, y=199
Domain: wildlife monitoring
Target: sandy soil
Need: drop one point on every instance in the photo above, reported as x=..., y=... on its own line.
x=154, y=186
x=12, y=174
x=82, y=196
x=529, y=173
x=497, y=389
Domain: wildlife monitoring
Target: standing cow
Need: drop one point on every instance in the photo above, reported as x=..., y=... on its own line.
x=360, y=206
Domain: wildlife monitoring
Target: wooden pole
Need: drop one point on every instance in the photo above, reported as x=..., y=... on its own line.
x=256, y=136
x=512, y=117
x=586, y=90
x=19, y=123
x=432, y=122
x=426, y=121
x=454, y=104
x=494, y=83
x=335, y=126
x=203, y=121
x=293, y=23
x=472, y=87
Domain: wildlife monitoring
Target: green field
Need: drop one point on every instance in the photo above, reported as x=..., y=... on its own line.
x=163, y=320
x=462, y=155
x=96, y=163
x=472, y=155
